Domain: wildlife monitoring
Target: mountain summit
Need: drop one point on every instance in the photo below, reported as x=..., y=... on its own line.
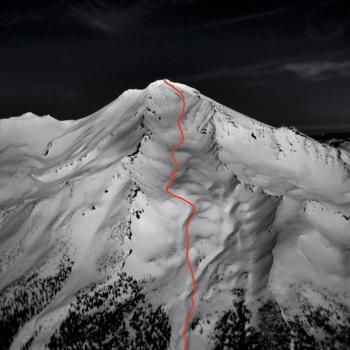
x=92, y=248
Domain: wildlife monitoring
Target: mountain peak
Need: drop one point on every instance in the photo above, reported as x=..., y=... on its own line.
x=83, y=203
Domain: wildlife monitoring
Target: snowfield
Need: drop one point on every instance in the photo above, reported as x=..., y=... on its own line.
x=92, y=248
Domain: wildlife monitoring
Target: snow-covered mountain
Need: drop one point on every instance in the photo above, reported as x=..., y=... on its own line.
x=92, y=247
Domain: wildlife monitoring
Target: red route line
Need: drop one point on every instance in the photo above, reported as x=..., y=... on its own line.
x=193, y=212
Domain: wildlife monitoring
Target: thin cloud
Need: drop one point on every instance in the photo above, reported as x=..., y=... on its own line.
x=259, y=74
x=246, y=18
x=107, y=18
x=319, y=70
x=102, y=16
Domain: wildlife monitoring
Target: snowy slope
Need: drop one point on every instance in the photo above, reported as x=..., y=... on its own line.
x=92, y=248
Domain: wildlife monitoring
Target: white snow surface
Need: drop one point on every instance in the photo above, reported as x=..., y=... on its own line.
x=273, y=205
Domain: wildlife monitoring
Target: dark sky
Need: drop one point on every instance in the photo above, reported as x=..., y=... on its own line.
x=284, y=63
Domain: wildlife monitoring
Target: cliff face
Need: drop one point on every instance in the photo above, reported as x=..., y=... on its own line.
x=92, y=248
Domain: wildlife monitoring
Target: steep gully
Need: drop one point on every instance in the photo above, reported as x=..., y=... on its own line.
x=192, y=205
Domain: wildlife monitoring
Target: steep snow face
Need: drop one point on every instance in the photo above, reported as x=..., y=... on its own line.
x=83, y=204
